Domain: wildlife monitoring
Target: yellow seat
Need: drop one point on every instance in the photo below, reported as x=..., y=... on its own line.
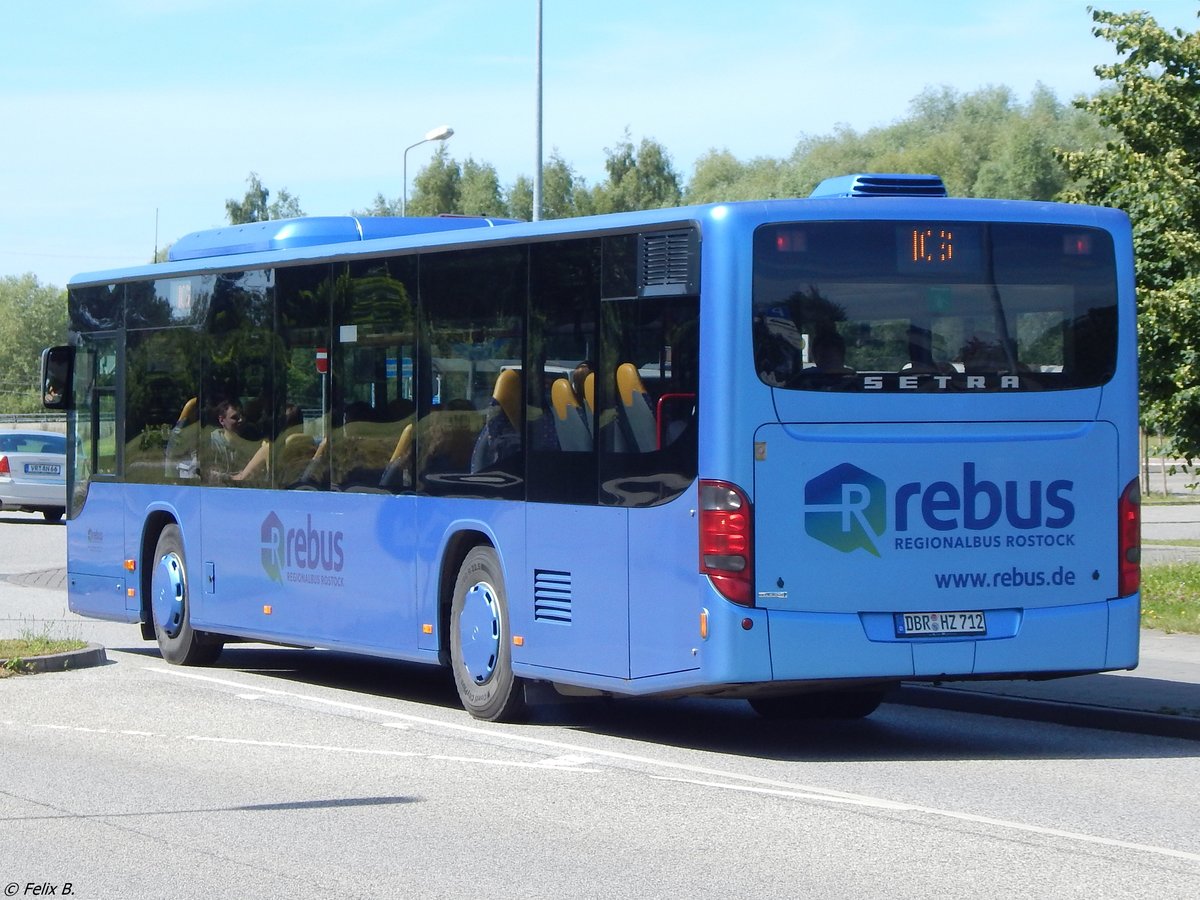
x=507, y=394
x=636, y=409
x=403, y=444
x=569, y=424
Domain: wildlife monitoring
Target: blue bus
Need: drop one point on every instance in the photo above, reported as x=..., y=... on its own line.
x=792, y=451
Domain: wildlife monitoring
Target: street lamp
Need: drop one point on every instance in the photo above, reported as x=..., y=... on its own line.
x=437, y=134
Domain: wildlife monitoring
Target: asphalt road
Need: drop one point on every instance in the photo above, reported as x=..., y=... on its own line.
x=308, y=774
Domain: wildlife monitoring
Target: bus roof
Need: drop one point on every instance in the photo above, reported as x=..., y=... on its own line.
x=284, y=234
x=296, y=241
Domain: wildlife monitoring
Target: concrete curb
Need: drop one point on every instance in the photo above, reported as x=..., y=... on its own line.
x=91, y=655
x=1056, y=712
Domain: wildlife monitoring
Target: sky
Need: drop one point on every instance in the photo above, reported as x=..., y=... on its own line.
x=129, y=123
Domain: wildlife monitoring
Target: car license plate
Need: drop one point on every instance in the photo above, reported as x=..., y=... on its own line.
x=43, y=469
x=940, y=624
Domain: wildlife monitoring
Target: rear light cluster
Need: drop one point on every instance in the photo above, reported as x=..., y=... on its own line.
x=1129, y=540
x=4, y=469
x=726, y=544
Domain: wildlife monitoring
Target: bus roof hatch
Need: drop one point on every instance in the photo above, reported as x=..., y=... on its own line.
x=889, y=185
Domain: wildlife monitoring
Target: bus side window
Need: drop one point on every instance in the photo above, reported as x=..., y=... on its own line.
x=562, y=345
x=649, y=403
x=475, y=303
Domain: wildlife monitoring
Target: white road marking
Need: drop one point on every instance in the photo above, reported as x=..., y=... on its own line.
x=571, y=759
x=877, y=803
x=558, y=764
x=514, y=763
x=286, y=745
x=751, y=783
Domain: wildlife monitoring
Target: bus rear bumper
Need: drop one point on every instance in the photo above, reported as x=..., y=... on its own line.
x=1089, y=637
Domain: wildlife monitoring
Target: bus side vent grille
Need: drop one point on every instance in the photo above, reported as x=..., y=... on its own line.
x=668, y=263
x=552, y=596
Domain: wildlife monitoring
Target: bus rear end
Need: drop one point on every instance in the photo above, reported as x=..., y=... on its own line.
x=945, y=484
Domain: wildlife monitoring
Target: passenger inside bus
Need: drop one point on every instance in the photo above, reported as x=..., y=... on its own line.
x=828, y=353
x=231, y=457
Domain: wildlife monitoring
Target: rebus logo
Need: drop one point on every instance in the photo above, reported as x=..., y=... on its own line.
x=978, y=504
x=305, y=548
x=844, y=507
x=272, y=547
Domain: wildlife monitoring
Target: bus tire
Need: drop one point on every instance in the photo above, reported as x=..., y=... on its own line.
x=820, y=705
x=170, y=606
x=481, y=640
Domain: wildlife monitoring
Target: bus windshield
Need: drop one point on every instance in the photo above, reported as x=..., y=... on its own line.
x=888, y=306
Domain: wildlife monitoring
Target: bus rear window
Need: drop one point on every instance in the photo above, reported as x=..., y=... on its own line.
x=885, y=306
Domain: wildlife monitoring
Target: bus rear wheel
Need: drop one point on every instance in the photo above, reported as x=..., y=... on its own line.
x=820, y=705
x=481, y=641
x=170, y=606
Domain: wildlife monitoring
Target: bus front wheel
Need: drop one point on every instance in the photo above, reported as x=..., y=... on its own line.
x=481, y=640
x=170, y=606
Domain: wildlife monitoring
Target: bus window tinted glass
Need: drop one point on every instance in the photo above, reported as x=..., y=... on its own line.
x=903, y=306
x=162, y=374
x=299, y=451
x=560, y=405
x=646, y=399
x=470, y=416
x=373, y=364
x=237, y=380
x=167, y=301
x=96, y=308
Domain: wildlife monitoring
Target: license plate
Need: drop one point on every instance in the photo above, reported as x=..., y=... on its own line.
x=939, y=624
x=42, y=469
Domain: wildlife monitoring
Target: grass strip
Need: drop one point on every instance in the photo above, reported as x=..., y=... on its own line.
x=14, y=651
x=1171, y=597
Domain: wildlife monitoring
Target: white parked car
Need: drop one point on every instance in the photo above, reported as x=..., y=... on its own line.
x=33, y=472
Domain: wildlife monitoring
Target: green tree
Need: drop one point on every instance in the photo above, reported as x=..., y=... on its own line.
x=982, y=144
x=1149, y=169
x=437, y=187
x=637, y=179
x=518, y=198
x=380, y=206
x=32, y=316
x=1024, y=162
x=720, y=176
x=256, y=205
x=564, y=194
x=479, y=191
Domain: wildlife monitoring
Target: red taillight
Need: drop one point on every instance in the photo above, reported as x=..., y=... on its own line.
x=726, y=545
x=1129, y=540
x=4, y=470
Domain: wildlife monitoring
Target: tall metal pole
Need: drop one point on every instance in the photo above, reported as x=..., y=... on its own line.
x=537, y=168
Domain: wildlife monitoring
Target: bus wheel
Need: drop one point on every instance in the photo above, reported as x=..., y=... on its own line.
x=819, y=705
x=481, y=641
x=169, y=605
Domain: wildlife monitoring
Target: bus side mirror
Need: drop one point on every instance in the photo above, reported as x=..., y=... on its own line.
x=58, y=366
